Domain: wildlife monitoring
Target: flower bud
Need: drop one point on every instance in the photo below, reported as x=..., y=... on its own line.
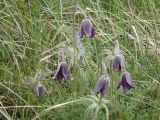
x=62, y=72
x=86, y=28
x=40, y=90
x=126, y=82
x=102, y=86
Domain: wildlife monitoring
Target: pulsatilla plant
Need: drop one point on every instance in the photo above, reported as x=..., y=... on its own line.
x=118, y=59
x=86, y=28
x=34, y=80
x=62, y=72
x=102, y=86
x=40, y=90
x=126, y=82
x=35, y=83
x=117, y=63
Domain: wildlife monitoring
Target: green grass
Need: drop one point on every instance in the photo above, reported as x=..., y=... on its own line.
x=33, y=31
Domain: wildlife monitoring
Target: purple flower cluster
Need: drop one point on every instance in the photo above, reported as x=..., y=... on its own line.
x=86, y=29
x=118, y=66
x=63, y=70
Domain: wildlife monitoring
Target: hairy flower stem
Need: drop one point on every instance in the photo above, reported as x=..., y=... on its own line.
x=116, y=97
x=82, y=11
x=62, y=57
x=74, y=33
x=104, y=69
x=95, y=49
x=112, y=79
x=76, y=77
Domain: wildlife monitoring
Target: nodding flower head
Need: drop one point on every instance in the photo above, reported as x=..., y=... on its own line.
x=102, y=86
x=126, y=82
x=62, y=72
x=86, y=28
x=40, y=90
x=117, y=63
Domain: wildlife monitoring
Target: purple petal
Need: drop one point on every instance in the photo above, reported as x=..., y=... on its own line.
x=126, y=81
x=103, y=90
x=101, y=86
x=87, y=27
x=125, y=86
x=117, y=63
x=65, y=71
x=41, y=91
x=98, y=86
x=59, y=74
x=93, y=32
x=81, y=31
x=129, y=80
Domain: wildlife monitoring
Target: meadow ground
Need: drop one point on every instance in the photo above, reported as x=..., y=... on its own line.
x=32, y=32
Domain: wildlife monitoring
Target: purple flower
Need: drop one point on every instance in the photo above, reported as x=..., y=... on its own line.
x=40, y=90
x=126, y=82
x=102, y=86
x=117, y=63
x=86, y=28
x=62, y=72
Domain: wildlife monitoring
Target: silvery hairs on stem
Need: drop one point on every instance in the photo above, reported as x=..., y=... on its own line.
x=36, y=83
x=118, y=59
x=31, y=81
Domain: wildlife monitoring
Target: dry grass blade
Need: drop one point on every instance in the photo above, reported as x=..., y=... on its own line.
x=5, y=114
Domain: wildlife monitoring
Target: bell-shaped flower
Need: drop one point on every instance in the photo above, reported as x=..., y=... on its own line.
x=126, y=82
x=40, y=90
x=86, y=28
x=117, y=63
x=102, y=86
x=62, y=72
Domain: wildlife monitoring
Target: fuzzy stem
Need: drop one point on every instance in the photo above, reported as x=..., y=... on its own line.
x=83, y=12
x=104, y=68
